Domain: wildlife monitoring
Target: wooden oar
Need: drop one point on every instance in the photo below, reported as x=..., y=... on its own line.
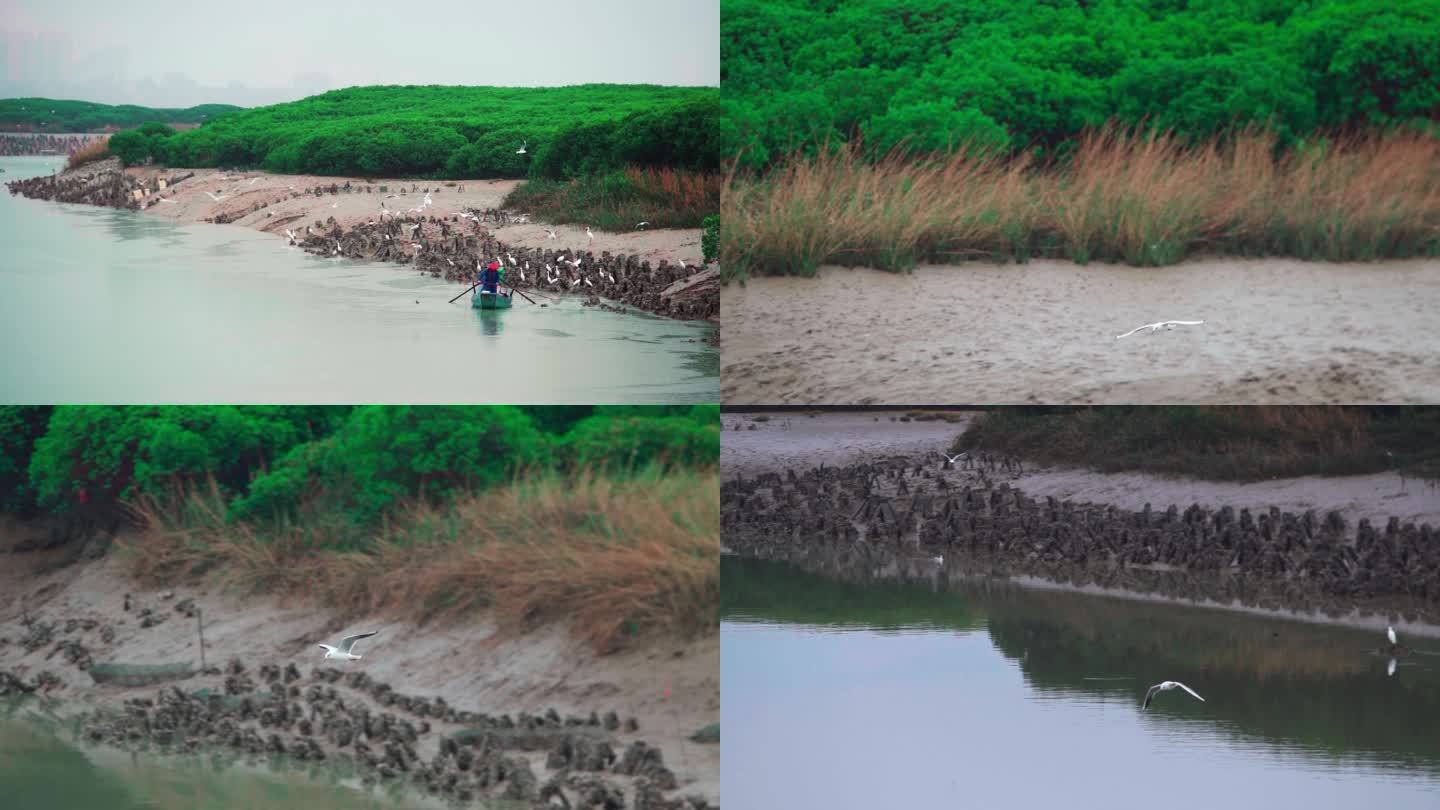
x=457, y=298
x=523, y=295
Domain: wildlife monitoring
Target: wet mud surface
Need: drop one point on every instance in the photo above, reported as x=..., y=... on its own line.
x=1276, y=331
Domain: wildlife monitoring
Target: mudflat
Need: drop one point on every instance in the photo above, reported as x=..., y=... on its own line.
x=1276, y=331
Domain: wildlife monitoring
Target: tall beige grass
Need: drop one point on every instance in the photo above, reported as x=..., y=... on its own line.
x=1122, y=197
x=91, y=152
x=615, y=557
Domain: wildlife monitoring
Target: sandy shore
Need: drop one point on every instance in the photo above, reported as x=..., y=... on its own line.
x=247, y=189
x=1276, y=331
x=672, y=688
x=837, y=439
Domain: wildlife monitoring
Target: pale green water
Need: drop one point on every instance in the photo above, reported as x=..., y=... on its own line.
x=110, y=306
x=979, y=693
x=43, y=768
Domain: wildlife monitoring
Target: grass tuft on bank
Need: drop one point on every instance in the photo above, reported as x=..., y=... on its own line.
x=1220, y=443
x=619, y=200
x=89, y=153
x=1122, y=196
x=617, y=555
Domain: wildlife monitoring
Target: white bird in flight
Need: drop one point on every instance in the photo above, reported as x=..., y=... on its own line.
x=953, y=459
x=1165, y=686
x=521, y=150
x=640, y=225
x=162, y=199
x=1156, y=327
x=215, y=197
x=335, y=205
x=551, y=233
x=346, y=645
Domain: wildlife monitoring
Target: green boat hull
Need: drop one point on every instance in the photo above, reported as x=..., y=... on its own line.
x=484, y=301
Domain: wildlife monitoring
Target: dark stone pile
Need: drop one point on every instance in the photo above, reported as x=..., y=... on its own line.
x=99, y=183
x=900, y=509
x=453, y=247
x=46, y=144
x=319, y=723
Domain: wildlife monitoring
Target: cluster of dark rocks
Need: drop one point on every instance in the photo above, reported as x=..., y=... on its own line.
x=366, y=724
x=900, y=509
x=100, y=183
x=45, y=144
x=455, y=247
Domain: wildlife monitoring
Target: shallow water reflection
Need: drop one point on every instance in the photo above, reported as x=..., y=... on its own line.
x=42, y=767
x=983, y=693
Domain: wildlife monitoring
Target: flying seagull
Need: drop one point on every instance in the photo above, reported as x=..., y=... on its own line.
x=550, y=233
x=346, y=645
x=953, y=459
x=1165, y=686
x=214, y=197
x=1156, y=327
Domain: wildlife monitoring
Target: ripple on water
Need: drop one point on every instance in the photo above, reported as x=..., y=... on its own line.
x=553, y=333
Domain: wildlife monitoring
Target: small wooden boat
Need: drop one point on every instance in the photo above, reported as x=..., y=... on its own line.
x=484, y=300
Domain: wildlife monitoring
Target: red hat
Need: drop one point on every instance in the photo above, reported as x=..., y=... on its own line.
x=493, y=266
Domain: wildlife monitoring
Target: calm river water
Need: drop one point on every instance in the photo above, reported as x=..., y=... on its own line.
x=41, y=768
x=980, y=693
x=103, y=305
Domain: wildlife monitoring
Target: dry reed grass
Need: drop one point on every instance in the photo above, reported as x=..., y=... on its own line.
x=616, y=557
x=664, y=197
x=98, y=150
x=1121, y=196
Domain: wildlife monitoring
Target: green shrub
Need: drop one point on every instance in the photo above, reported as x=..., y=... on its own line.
x=609, y=443
x=384, y=453
x=20, y=427
x=710, y=240
x=118, y=452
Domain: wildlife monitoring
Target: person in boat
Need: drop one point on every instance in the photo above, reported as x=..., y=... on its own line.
x=491, y=277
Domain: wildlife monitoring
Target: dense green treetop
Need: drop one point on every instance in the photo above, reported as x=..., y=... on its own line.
x=929, y=74
x=87, y=116
x=463, y=132
x=358, y=461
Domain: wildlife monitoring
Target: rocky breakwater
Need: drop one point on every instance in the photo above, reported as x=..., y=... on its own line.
x=878, y=513
x=347, y=718
x=455, y=247
x=101, y=183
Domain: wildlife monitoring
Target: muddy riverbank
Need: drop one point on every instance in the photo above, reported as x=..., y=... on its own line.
x=443, y=229
x=1276, y=331
x=1328, y=545
x=460, y=711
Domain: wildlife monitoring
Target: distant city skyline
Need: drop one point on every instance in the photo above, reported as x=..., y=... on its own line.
x=171, y=53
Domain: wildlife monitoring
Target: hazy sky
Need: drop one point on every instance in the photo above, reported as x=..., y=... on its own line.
x=177, y=53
